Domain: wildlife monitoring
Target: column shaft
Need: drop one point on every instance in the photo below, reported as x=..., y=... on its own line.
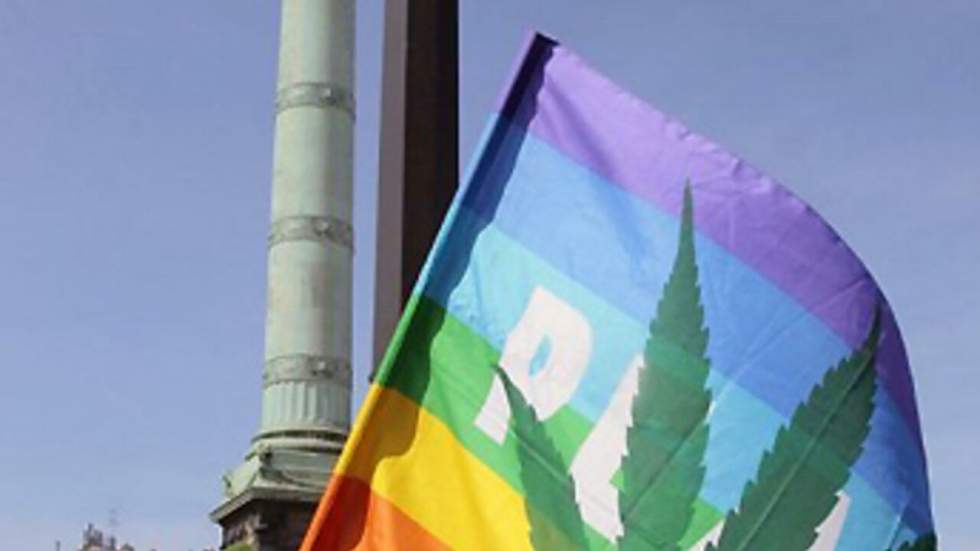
x=308, y=321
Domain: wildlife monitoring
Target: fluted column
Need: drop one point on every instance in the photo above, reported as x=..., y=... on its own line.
x=307, y=372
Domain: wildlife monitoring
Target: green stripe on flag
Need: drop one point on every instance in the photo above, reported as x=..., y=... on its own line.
x=439, y=362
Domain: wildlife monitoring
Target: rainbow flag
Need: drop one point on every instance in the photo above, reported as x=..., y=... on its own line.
x=627, y=338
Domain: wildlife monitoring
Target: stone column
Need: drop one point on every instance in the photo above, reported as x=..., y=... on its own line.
x=306, y=377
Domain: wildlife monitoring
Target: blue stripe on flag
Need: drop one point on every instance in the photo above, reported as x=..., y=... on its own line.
x=495, y=286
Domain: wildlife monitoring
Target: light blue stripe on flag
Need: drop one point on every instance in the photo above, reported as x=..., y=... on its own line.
x=493, y=292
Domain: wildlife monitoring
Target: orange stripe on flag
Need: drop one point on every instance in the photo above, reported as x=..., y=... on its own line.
x=352, y=518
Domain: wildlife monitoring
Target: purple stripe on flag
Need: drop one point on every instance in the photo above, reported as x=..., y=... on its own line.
x=602, y=127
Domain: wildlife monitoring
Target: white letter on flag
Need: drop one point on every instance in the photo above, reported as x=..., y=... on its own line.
x=601, y=454
x=547, y=320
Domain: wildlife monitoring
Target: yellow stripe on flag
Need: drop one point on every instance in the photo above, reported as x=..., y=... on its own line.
x=412, y=459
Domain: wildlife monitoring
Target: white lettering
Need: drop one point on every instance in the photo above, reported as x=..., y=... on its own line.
x=546, y=321
x=601, y=455
x=830, y=531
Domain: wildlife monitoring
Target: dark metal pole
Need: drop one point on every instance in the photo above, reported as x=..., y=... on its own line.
x=419, y=157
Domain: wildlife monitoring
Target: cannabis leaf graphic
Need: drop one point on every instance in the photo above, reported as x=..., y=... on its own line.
x=547, y=484
x=663, y=468
x=797, y=482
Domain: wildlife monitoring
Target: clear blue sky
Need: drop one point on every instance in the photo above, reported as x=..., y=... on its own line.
x=135, y=161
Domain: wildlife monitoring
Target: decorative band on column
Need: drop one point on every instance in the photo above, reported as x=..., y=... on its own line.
x=312, y=228
x=315, y=94
x=306, y=368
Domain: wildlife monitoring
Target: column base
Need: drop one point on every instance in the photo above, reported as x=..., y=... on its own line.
x=271, y=497
x=264, y=519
